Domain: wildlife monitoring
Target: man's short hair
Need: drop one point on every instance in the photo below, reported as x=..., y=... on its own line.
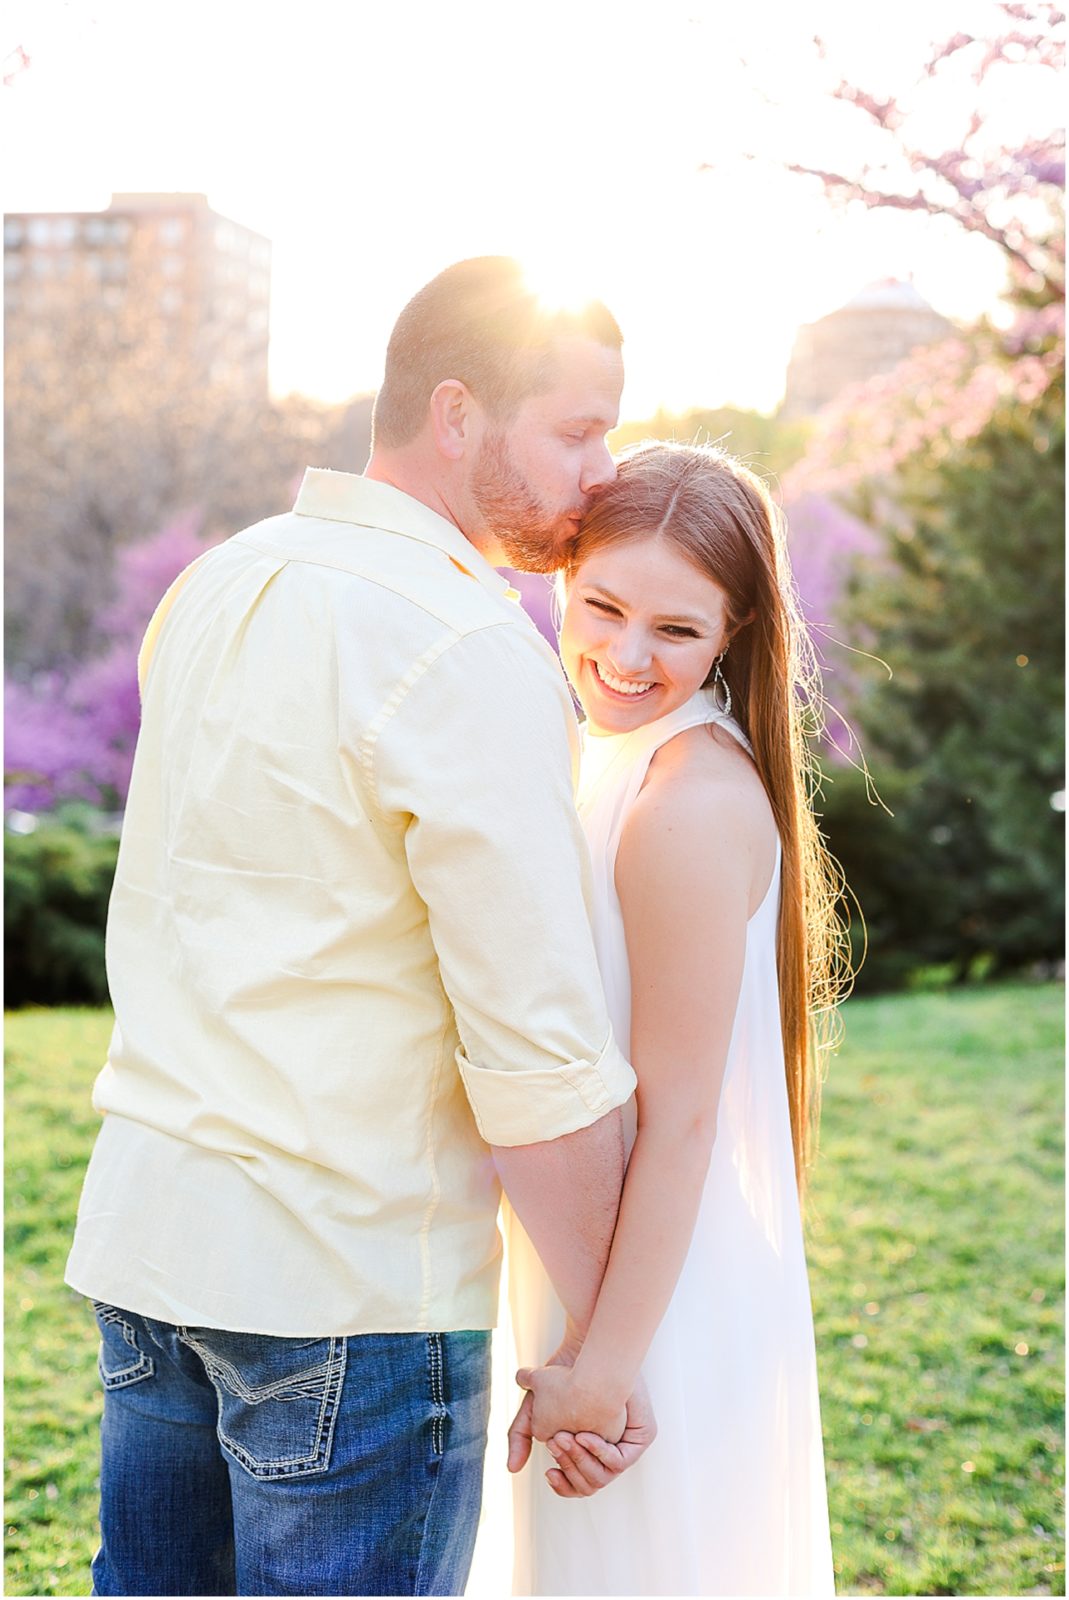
x=482, y=323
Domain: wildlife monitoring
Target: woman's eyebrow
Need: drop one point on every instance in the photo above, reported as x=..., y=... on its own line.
x=691, y=621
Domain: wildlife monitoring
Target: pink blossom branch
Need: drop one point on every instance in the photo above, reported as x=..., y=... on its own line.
x=1046, y=14
x=15, y=63
x=885, y=113
x=960, y=41
x=839, y=186
x=1039, y=50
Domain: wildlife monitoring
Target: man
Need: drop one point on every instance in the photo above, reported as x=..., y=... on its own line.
x=349, y=954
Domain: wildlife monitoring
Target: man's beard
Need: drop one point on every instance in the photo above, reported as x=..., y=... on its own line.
x=533, y=538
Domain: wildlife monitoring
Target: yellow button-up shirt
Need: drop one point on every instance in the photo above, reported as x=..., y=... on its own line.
x=348, y=941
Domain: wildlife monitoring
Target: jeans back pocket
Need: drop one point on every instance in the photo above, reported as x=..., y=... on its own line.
x=278, y=1398
x=122, y=1361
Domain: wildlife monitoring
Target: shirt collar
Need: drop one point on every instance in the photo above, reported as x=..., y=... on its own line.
x=346, y=497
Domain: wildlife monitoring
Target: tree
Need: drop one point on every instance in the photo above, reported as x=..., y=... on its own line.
x=113, y=428
x=967, y=609
x=71, y=735
x=766, y=443
x=1011, y=196
x=955, y=462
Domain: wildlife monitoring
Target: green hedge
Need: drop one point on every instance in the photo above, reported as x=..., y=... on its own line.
x=57, y=881
x=939, y=904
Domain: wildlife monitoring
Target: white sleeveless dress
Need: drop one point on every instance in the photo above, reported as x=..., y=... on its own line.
x=730, y=1499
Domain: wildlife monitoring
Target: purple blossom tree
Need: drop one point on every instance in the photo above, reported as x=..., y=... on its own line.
x=1012, y=196
x=70, y=735
x=871, y=437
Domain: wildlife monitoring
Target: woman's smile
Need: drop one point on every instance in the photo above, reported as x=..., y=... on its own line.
x=627, y=688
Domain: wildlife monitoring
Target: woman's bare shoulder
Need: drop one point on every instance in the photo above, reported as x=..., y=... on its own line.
x=702, y=801
x=707, y=764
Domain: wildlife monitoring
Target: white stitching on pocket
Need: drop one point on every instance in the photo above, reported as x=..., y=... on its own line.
x=321, y=1382
x=123, y=1377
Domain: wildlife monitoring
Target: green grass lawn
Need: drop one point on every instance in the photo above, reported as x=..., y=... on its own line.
x=936, y=1257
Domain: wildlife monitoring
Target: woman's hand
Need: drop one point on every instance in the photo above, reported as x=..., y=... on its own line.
x=586, y=1462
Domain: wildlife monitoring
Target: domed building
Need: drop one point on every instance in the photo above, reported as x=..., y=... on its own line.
x=871, y=333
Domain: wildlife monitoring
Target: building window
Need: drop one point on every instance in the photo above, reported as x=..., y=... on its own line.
x=13, y=232
x=173, y=230
x=39, y=230
x=12, y=266
x=171, y=266
x=170, y=301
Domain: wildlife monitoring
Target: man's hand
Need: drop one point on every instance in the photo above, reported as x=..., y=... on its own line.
x=521, y=1433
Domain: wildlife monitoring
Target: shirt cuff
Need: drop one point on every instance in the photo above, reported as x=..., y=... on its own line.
x=529, y=1107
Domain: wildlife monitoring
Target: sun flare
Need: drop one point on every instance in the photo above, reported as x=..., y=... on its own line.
x=561, y=285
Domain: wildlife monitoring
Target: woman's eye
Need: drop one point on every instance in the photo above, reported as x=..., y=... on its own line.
x=679, y=633
x=601, y=605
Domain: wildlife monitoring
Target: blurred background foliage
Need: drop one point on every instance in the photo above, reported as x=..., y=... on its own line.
x=965, y=601
x=56, y=886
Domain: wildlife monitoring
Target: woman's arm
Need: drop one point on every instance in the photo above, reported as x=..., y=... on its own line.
x=684, y=876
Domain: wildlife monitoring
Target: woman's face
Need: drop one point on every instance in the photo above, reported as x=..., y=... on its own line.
x=642, y=628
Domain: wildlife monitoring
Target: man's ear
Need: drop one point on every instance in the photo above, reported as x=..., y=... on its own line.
x=453, y=418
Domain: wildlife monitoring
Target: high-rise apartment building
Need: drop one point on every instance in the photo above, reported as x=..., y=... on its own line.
x=200, y=278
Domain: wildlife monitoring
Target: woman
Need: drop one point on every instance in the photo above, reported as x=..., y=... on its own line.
x=718, y=943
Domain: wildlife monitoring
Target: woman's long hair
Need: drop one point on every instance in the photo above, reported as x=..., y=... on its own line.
x=721, y=516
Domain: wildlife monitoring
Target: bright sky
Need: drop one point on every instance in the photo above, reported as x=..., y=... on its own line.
x=374, y=143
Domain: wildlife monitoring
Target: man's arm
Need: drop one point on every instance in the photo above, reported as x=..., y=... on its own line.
x=573, y=1242
x=474, y=763
x=584, y=1170
x=566, y=1193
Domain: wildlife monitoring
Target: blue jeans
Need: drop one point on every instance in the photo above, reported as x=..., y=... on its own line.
x=240, y=1463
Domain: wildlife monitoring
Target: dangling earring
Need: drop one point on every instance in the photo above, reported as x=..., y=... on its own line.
x=720, y=682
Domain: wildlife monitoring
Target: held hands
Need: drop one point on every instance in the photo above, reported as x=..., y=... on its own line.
x=558, y=1411
x=561, y=1403
x=586, y=1462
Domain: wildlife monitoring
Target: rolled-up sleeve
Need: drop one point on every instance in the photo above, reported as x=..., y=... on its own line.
x=476, y=758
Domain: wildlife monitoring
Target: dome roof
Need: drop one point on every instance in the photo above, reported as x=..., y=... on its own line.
x=887, y=294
